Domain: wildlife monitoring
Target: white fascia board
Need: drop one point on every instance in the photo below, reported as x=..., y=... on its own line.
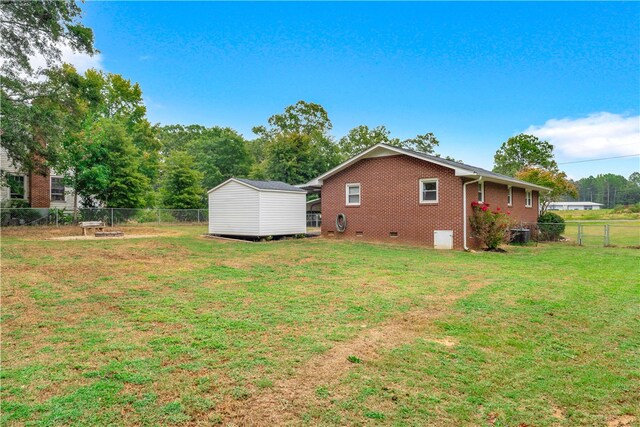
x=512, y=183
x=254, y=188
x=228, y=181
x=367, y=153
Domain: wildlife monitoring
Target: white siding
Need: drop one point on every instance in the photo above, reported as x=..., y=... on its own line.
x=7, y=166
x=233, y=210
x=282, y=213
x=5, y=162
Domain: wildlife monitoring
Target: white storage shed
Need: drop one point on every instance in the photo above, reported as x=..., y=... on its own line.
x=244, y=207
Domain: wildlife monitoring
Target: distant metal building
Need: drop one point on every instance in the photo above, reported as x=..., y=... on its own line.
x=248, y=208
x=574, y=206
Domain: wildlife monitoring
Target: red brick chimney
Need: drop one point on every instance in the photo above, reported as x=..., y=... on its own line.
x=39, y=190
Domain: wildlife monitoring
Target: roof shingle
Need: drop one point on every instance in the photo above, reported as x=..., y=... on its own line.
x=271, y=185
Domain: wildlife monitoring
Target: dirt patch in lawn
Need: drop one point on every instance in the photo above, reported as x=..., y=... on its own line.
x=126, y=236
x=46, y=232
x=621, y=421
x=285, y=402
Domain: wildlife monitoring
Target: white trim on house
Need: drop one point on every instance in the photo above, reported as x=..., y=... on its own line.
x=383, y=150
x=250, y=186
x=528, y=198
x=25, y=185
x=347, y=194
x=421, y=182
x=509, y=196
x=480, y=192
x=464, y=212
x=64, y=189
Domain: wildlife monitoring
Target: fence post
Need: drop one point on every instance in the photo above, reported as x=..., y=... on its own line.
x=579, y=234
x=158, y=216
x=56, y=217
x=606, y=234
x=111, y=217
x=198, y=216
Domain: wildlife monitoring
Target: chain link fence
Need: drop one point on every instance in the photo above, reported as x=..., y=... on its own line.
x=110, y=216
x=314, y=220
x=622, y=233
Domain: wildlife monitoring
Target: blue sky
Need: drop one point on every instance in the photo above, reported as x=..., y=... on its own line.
x=472, y=73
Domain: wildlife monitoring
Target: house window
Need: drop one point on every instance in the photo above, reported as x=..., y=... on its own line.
x=510, y=196
x=57, y=190
x=528, y=198
x=481, y=192
x=16, y=186
x=353, y=194
x=429, y=190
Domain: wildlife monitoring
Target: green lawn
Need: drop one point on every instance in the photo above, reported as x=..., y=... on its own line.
x=182, y=330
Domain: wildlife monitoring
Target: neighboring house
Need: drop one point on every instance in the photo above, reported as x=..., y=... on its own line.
x=243, y=207
x=574, y=206
x=39, y=191
x=393, y=194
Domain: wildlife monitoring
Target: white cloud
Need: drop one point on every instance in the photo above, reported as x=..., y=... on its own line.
x=597, y=135
x=81, y=61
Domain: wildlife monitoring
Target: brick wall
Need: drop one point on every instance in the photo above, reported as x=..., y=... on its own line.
x=390, y=202
x=39, y=190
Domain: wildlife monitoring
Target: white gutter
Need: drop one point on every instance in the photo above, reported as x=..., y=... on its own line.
x=464, y=211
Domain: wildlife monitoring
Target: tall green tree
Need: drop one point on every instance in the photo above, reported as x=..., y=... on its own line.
x=181, y=183
x=297, y=145
x=31, y=132
x=178, y=137
x=362, y=137
x=219, y=153
x=425, y=143
x=109, y=172
x=522, y=151
x=90, y=103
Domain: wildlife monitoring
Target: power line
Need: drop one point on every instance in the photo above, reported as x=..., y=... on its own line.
x=602, y=158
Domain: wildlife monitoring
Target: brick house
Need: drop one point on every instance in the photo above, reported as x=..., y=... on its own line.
x=38, y=190
x=393, y=194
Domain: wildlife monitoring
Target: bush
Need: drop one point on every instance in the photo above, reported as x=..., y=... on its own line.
x=551, y=226
x=151, y=215
x=491, y=227
x=64, y=218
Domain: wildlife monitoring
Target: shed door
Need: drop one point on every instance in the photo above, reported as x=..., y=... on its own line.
x=443, y=239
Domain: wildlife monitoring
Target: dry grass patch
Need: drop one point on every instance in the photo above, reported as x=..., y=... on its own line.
x=180, y=330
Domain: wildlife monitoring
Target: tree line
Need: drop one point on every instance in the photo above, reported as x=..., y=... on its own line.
x=92, y=128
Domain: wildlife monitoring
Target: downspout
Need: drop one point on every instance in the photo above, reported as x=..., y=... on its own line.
x=464, y=211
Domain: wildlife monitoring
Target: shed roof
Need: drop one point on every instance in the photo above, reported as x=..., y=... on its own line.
x=263, y=185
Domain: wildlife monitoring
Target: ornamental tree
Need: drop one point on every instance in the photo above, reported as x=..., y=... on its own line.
x=555, y=180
